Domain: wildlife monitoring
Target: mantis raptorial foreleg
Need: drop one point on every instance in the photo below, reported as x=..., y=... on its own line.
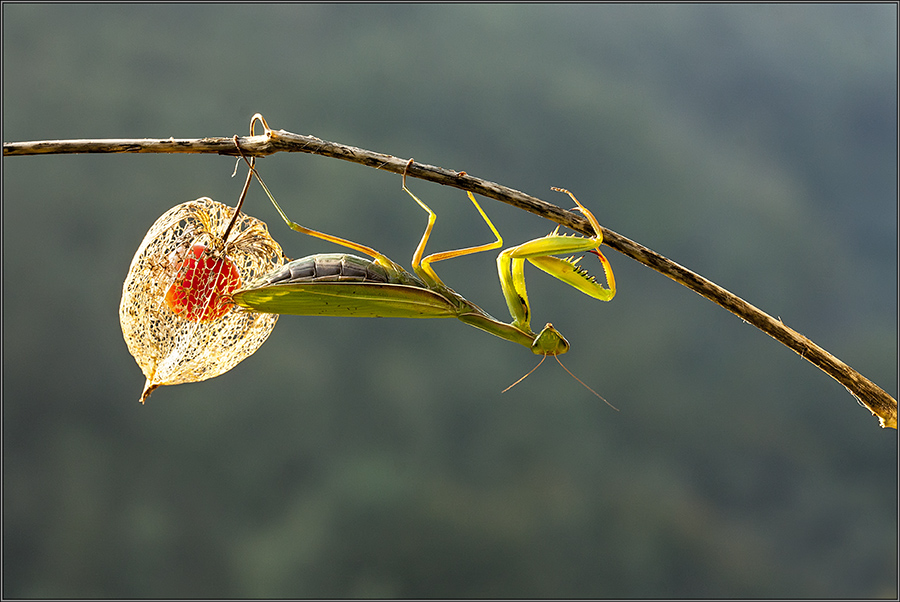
x=539, y=252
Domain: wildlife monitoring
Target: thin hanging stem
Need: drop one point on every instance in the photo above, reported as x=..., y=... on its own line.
x=237, y=209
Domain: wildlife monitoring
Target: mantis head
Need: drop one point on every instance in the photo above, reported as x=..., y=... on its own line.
x=549, y=342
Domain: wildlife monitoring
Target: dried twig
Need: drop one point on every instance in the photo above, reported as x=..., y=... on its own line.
x=865, y=391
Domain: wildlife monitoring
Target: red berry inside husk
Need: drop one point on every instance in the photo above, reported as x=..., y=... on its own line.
x=202, y=287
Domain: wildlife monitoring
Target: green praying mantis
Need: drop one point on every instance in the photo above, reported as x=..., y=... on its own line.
x=335, y=284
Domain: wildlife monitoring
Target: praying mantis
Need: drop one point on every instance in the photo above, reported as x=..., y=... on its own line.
x=345, y=285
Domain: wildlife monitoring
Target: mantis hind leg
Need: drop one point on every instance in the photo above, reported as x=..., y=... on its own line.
x=378, y=257
x=422, y=266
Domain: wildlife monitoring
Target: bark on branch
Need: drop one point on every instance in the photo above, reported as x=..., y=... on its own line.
x=865, y=391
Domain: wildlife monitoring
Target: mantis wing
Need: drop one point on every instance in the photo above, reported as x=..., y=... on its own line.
x=346, y=299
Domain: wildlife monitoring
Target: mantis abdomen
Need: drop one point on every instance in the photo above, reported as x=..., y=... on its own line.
x=327, y=267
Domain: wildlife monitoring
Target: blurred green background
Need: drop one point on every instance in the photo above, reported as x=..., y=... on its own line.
x=755, y=144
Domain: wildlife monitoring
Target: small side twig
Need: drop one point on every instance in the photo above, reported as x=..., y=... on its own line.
x=865, y=391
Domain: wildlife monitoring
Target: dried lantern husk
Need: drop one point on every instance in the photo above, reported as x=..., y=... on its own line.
x=176, y=314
